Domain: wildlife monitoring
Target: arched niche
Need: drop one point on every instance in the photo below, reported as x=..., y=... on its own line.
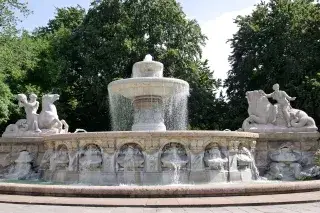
x=61, y=158
x=90, y=158
x=215, y=158
x=174, y=156
x=130, y=157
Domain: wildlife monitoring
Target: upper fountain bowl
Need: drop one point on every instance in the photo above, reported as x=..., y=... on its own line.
x=147, y=80
x=134, y=87
x=147, y=68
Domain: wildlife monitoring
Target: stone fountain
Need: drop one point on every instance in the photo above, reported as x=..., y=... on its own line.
x=152, y=97
x=276, y=141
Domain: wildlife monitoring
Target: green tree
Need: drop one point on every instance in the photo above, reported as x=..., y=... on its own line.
x=19, y=57
x=278, y=43
x=8, y=14
x=113, y=36
x=10, y=51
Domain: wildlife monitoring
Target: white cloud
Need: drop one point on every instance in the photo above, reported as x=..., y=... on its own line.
x=218, y=31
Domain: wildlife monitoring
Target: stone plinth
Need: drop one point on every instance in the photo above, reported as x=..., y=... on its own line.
x=271, y=145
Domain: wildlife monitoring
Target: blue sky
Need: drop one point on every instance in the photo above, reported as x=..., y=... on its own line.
x=214, y=16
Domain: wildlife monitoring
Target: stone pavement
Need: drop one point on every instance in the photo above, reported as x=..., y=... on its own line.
x=289, y=208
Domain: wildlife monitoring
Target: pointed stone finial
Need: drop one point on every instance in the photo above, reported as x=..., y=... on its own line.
x=147, y=58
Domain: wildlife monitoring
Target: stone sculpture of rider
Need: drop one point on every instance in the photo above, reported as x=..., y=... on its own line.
x=283, y=100
x=31, y=108
x=47, y=122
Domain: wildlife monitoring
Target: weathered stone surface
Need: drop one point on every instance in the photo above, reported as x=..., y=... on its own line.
x=45, y=123
x=274, y=145
x=279, y=117
x=152, y=144
x=303, y=145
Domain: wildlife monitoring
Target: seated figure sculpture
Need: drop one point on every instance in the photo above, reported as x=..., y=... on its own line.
x=280, y=117
x=130, y=159
x=47, y=122
x=214, y=159
x=245, y=161
x=90, y=158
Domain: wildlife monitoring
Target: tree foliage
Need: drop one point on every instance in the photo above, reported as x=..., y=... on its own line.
x=112, y=36
x=278, y=43
x=8, y=17
x=77, y=54
x=15, y=58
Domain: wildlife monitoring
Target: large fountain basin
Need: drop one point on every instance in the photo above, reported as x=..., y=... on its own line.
x=134, y=87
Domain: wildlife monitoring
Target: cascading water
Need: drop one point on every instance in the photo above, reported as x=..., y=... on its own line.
x=156, y=103
x=176, y=165
x=174, y=159
x=22, y=167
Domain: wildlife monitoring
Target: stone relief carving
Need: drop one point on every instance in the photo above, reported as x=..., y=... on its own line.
x=244, y=161
x=286, y=163
x=313, y=171
x=152, y=163
x=214, y=158
x=22, y=168
x=47, y=122
x=61, y=159
x=280, y=117
x=174, y=156
x=46, y=159
x=130, y=158
x=90, y=158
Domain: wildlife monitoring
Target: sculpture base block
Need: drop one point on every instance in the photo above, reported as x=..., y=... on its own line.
x=32, y=133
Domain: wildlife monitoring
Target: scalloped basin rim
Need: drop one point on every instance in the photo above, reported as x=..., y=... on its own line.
x=132, y=87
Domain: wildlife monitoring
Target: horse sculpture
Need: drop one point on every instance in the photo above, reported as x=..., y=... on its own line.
x=47, y=122
x=266, y=117
x=48, y=117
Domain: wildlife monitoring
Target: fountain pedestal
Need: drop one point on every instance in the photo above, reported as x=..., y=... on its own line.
x=148, y=113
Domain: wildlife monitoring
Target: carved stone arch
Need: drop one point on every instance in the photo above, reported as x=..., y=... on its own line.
x=90, y=150
x=125, y=145
x=222, y=142
x=120, y=142
x=182, y=141
x=63, y=143
x=186, y=154
x=185, y=148
x=137, y=156
x=85, y=146
x=212, y=144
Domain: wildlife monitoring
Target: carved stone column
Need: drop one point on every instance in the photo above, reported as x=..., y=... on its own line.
x=197, y=170
x=108, y=166
x=152, y=163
